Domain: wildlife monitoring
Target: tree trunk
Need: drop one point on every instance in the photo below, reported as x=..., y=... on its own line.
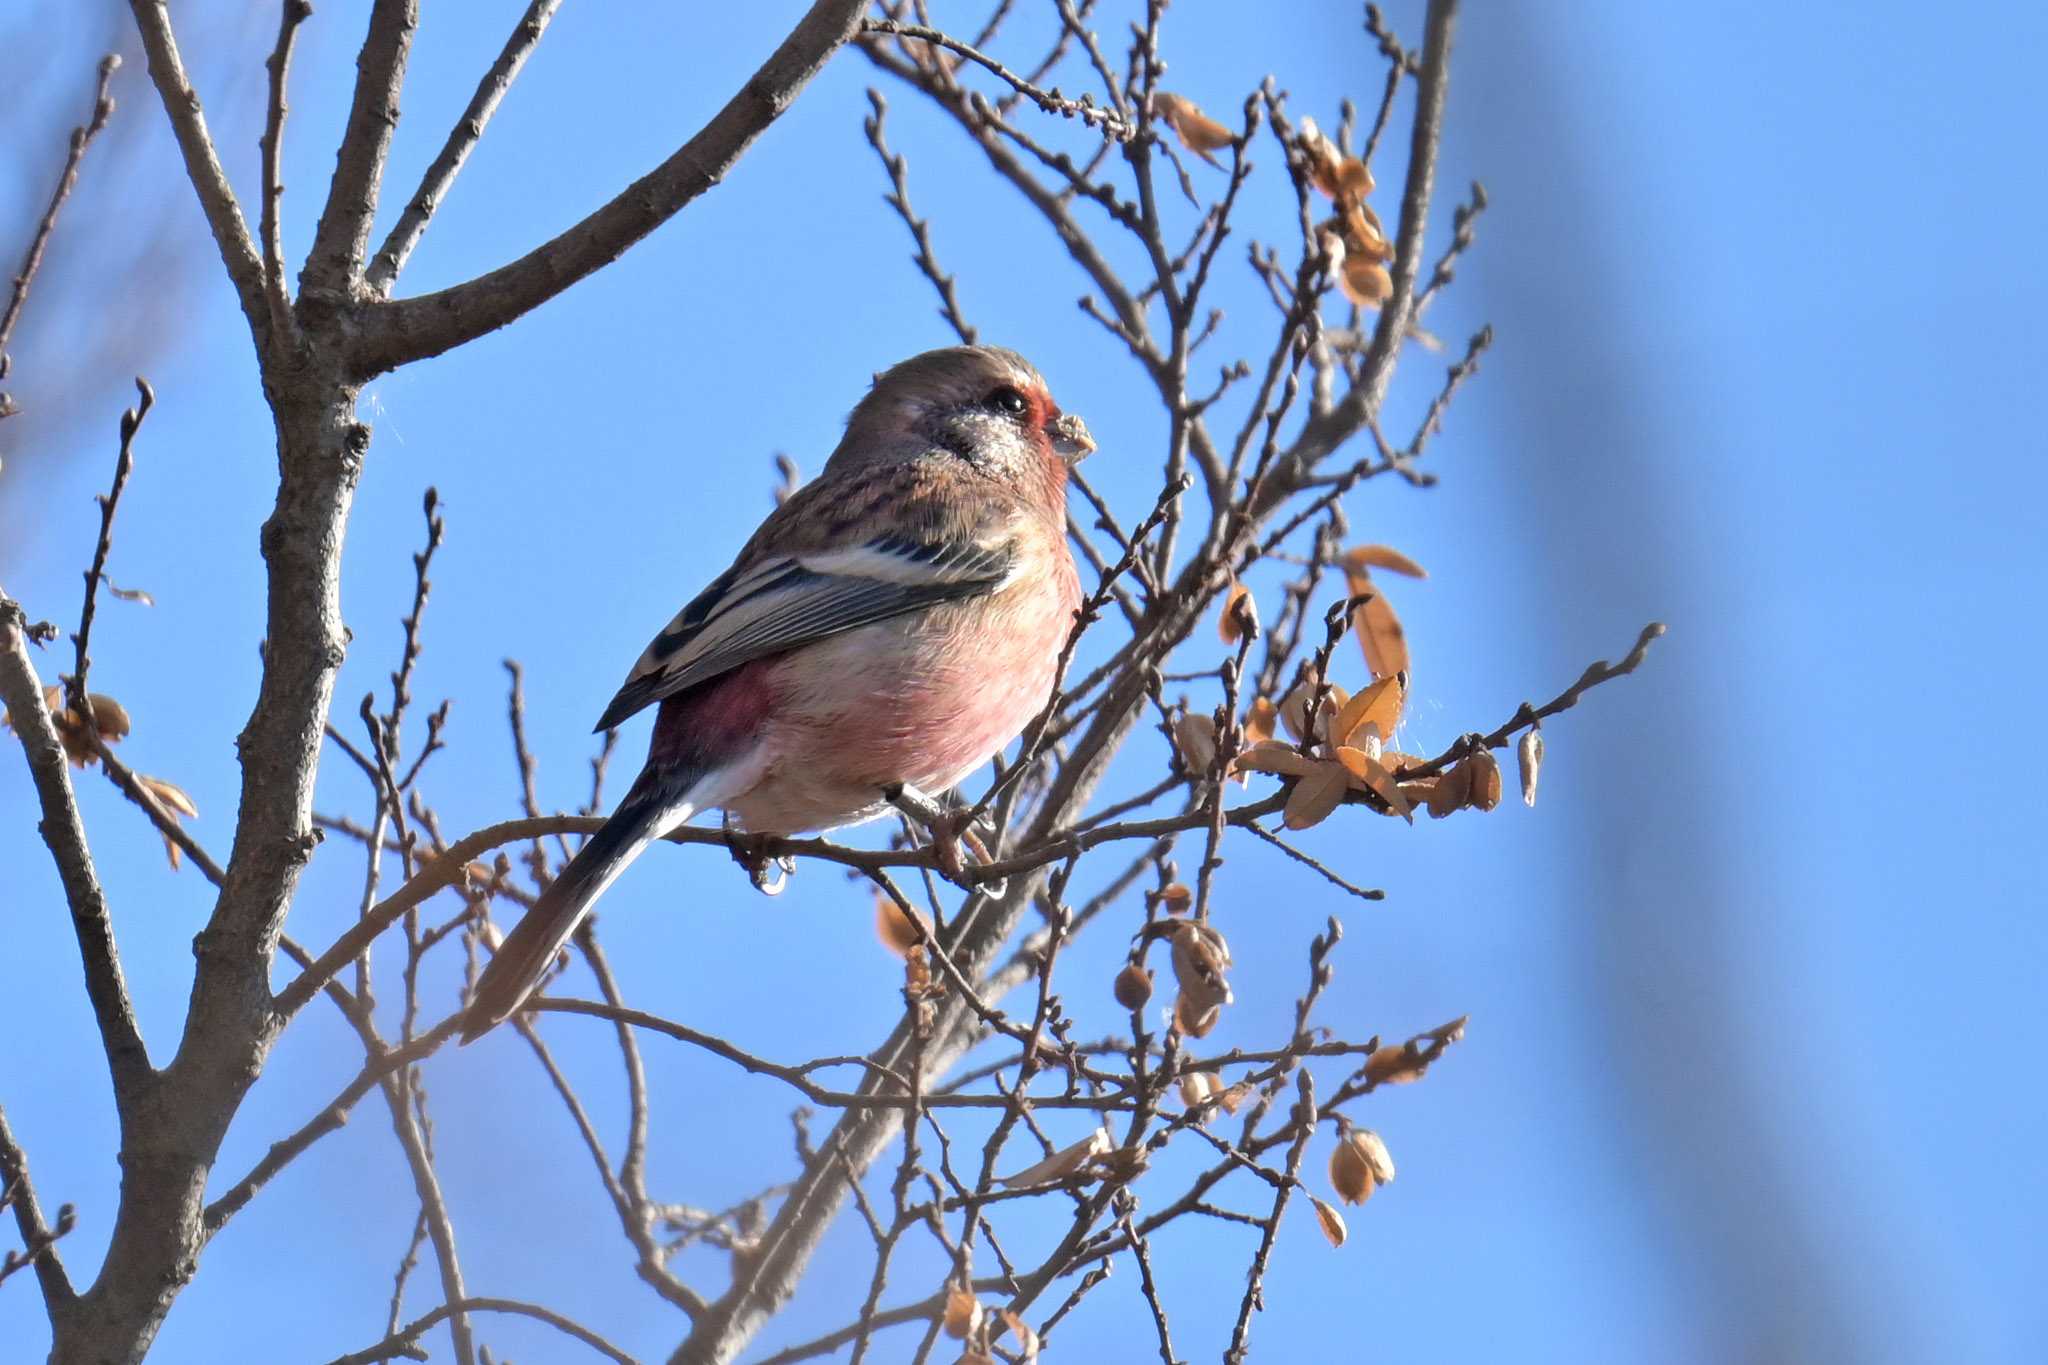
x=171, y=1130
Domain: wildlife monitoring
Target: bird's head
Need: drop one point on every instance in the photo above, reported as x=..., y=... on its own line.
x=984, y=405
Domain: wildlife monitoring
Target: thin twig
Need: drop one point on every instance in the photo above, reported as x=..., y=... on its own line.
x=434, y=185
x=291, y=13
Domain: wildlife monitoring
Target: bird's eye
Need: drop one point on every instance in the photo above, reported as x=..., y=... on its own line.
x=1007, y=399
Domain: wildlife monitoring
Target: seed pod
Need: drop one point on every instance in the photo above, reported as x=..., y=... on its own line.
x=1200, y=959
x=1485, y=780
x=1529, y=756
x=1451, y=791
x=1193, y=1018
x=1199, y=1086
x=963, y=1313
x=1359, y=1164
x=1194, y=736
x=1133, y=986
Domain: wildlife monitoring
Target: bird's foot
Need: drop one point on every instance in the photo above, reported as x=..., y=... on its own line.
x=769, y=875
x=949, y=829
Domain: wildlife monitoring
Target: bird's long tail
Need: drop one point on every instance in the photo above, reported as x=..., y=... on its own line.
x=650, y=810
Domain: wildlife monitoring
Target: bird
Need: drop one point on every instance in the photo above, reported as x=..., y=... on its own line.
x=893, y=624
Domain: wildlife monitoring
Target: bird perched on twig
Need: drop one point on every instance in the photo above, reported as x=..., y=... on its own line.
x=893, y=624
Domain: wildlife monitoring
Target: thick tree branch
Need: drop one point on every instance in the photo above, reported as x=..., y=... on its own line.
x=403, y=330
x=343, y=236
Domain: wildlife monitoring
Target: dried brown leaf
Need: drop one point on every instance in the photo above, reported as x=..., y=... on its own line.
x=1335, y=174
x=894, y=928
x=109, y=717
x=1260, y=720
x=1379, y=630
x=1332, y=1221
x=1273, y=756
x=1364, y=239
x=172, y=795
x=1197, y=132
x=1370, y=775
x=1065, y=1162
x=1316, y=794
x=1027, y=1340
x=1394, y=1064
x=1379, y=704
x=1294, y=707
x=1240, y=616
x=1362, y=557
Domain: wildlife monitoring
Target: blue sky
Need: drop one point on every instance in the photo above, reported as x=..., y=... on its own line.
x=1752, y=1072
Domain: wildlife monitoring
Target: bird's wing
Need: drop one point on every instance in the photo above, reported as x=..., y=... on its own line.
x=777, y=602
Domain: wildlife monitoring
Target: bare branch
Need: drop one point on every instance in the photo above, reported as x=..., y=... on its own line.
x=342, y=238
x=920, y=230
x=1109, y=121
x=403, y=1342
x=291, y=13
x=396, y=332
x=405, y=234
x=38, y=1239
x=124, y=465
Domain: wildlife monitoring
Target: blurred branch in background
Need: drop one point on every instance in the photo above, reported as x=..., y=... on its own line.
x=116, y=283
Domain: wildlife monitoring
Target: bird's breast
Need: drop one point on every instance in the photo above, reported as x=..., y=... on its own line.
x=924, y=699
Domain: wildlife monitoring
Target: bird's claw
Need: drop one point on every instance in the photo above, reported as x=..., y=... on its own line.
x=769, y=875
x=948, y=829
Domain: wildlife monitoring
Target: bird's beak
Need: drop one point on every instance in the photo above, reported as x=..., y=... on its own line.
x=1070, y=438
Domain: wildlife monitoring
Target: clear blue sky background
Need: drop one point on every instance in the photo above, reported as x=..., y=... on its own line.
x=1753, y=1072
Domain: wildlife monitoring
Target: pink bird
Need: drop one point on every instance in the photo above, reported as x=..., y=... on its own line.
x=897, y=621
